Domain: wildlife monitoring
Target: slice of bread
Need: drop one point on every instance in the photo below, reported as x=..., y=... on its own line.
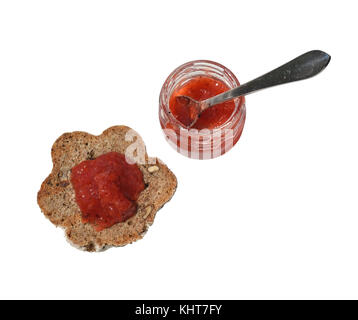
x=56, y=197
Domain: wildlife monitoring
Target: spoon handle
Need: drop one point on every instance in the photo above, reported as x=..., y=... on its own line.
x=303, y=67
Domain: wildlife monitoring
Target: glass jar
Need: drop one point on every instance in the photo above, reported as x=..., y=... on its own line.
x=205, y=143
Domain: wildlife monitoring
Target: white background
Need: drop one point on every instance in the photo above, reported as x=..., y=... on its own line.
x=276, y=217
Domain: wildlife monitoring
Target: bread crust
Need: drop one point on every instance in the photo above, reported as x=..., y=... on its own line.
x=56, y=197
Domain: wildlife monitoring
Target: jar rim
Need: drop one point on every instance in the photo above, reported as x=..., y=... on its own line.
x=238, y=106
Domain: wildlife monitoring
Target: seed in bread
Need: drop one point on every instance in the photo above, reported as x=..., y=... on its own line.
x=56, y=197
x=153, y=169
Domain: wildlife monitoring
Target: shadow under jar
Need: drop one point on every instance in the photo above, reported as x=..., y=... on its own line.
x=201, y=142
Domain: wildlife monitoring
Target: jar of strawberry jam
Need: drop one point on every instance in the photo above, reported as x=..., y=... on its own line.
x=219, y=127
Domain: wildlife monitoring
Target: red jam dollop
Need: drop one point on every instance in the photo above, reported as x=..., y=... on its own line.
x=201, y=88
x=107, y=189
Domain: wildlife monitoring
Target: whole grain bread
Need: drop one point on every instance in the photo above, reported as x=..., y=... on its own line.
x=56, y=197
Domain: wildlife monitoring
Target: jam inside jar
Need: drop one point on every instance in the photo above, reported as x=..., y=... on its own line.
x=219, y=128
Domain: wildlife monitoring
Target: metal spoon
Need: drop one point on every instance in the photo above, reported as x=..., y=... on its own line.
x=300, y=68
